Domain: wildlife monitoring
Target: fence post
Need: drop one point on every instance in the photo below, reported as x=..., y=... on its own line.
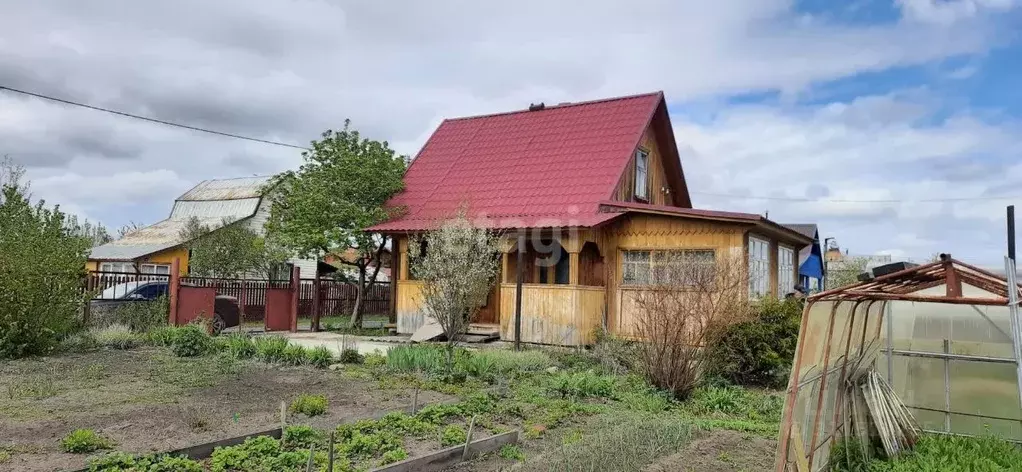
x=242, y=301
x=173, y=284
x=316, y=296
x=296, y=286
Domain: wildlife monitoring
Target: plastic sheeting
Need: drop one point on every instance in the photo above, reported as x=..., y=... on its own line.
x=952, y=365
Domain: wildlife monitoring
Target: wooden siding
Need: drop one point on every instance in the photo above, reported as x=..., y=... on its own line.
x=565, y=315
x=407, y=305
x=654, y=232
x=656, y=175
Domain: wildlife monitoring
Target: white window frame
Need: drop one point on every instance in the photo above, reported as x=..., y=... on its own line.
x=641, y=174
x=785, y=270
x=126, y=267
x=759, y=266
x=639, y=267
x=156, y=269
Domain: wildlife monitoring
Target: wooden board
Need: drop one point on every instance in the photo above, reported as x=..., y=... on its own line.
x=564, y=315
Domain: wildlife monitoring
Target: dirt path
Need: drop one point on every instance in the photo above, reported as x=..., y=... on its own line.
x=720, y=451
x=148, y=401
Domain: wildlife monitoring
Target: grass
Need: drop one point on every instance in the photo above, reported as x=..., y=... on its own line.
x=309, y=405
x=935, y=453
x=512, y=452
x=117, y=336
x=83, y=441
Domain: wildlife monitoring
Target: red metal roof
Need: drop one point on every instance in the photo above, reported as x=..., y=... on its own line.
x=544, y=168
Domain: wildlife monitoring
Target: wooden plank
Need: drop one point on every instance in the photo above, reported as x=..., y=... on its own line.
x=445, y=458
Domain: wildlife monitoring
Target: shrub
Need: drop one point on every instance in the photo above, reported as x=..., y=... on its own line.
x=688, y=304
x=162, y=336
x=581, y=384
x=42, y=262
x=270, y=348
x=760, y=352
x=351, y=356
x=393, y=456
x=309, y=405
x=82, y=341
x=294, y=355
x=191, y=341
x=82, y=441
x=116, y=336
x=120, y=461
x=453, y=435
x=237, y=345
x=320, y=356
x=140, y=316
x=302, y=437
x=511, y=451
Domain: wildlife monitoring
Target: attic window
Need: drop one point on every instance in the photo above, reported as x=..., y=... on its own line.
x=641, y=174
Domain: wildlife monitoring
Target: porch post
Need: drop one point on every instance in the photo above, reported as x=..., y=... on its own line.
x=573, y=268
x=518, y=291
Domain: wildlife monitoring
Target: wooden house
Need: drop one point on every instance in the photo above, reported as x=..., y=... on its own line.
x=598, y=189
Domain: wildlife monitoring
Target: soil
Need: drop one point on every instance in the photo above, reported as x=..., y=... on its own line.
x=149, y=401
x=720, y=451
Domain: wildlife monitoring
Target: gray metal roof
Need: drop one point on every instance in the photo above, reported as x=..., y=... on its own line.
x=806, y=229
x=226, y=189
x=212, y=202
x=153, y=238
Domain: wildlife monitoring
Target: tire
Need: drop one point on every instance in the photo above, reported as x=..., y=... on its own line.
x=218, y=324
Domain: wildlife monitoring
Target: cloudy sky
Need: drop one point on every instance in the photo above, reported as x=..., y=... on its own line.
x=894, y=125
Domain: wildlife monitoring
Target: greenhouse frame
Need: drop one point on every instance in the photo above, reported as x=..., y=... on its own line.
x=945, y=336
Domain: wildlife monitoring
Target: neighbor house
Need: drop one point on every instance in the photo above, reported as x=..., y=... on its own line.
x=810, y=258
x=599, y=188
x=152, y=249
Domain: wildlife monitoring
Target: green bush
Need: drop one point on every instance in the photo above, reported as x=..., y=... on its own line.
x=302, y=437
x=82, y=441
x=760, y=352
x=394, y=455
x=42, y=263
x=261, y=453
x=294, y=355
x=351, y=356
x=581, y=384
x=122, y=461
x=191, y=341
x=320, y=356
x=511, y=451
x=117, y=336
x=162, y=336
x=237, y=345
x=453, y=435
x=139, y=316
x=270, y=348
x=309, y=405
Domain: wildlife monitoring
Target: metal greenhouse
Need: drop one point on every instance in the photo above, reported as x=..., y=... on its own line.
x=946, y=338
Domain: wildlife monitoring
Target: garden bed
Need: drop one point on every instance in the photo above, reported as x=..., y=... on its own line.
x=148, y=400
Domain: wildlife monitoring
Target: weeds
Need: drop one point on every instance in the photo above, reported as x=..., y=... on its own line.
x=121, y=461
x=453, y=435
x=162, y=336
x=320, y=356
x=117, y=336
x=394, y=455
x=83, y=441
x=512, y=452
x=34, y=387
x=302, y=437
x=294, y=355
x=270, y=348
x=190, y=341
x=581, y=384
x=237, y=345
x=940, y=452
x=309, y=405
x=351, y=356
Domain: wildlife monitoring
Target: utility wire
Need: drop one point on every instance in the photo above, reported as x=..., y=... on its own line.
x=818, y=200
x=151, y=120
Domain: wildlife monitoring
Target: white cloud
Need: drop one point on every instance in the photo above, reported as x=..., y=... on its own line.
x=950, y=11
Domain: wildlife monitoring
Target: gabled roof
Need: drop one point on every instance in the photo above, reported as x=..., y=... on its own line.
x=543, y=168
x=807, y=229
x=211, y=201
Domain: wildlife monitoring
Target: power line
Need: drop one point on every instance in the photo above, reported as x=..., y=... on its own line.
x=817, y=200
x=151, y=120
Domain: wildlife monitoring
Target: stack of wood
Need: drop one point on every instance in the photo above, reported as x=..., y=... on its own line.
x=874, y=411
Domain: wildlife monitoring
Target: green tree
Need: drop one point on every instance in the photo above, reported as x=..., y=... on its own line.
x=845, y=272
x=230, y=251
x=96, y=233
x=339, y=191
x=42, y=265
